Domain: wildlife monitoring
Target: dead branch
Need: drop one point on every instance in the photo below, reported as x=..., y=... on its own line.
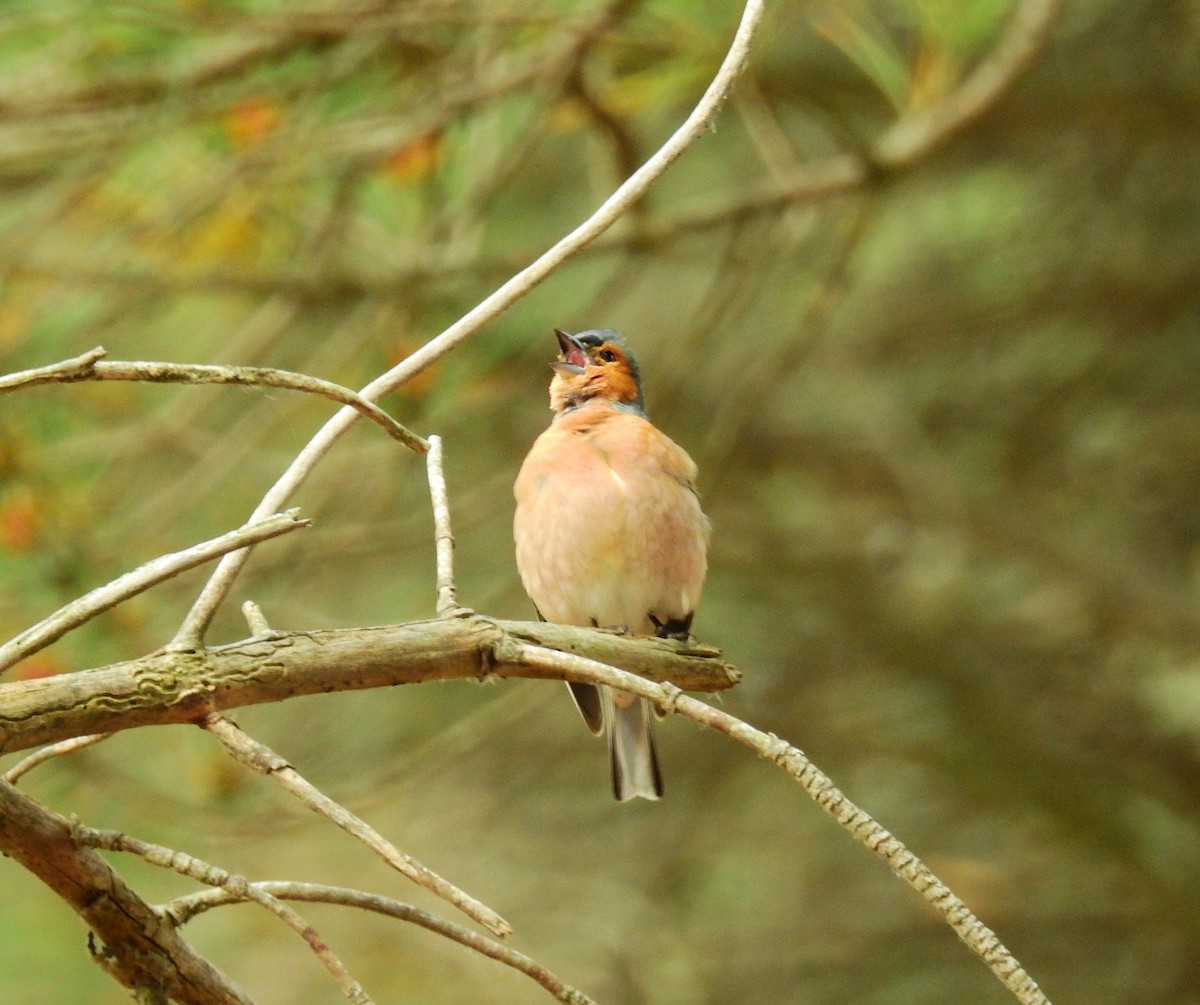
x=185, y=686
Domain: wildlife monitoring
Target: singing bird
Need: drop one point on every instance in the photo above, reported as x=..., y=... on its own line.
x=609, y=531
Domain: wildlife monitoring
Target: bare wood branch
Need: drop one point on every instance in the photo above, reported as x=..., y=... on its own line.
x=261, y=758
x=183, y=909
x=83, y=609
x=92, y=366
x=447, y=594
x=141, y=948
x=27, y=764
x=180, y=686
x=617, y=205
x=239, y=886
x=858, y=823
x=64, y=372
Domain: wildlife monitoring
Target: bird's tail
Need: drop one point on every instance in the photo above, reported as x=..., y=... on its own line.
x=635, y=769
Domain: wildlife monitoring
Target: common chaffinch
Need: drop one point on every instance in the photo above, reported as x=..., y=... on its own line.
x=609, y=531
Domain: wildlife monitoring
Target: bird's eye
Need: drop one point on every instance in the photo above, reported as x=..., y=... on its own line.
x=608, y=355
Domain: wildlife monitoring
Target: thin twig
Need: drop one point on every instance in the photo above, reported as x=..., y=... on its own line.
x=627, y=194
x=237, y=886
x=256, y=621
x=447, y=593
x=84, y=608
x=27, y=764
x=64, y=372
x=183, y=909
x=92, y=366
x=981, y=939
x=263, y=759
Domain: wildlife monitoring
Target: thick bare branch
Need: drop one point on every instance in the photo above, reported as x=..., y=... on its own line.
x=183, y=909
x=181, y=686
x=141, y=948
x=261, y=758
x=83, y=609
x=981, y=939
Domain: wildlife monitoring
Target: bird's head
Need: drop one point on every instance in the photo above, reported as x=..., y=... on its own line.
x=594, y=364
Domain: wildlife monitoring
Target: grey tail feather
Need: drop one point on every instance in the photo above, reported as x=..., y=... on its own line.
x=588, y=700
x=635, y=770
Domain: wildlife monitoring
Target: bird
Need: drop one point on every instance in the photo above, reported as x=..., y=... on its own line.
x=609, y=532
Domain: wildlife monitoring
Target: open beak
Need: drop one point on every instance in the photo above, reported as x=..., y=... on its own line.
x=574, y=356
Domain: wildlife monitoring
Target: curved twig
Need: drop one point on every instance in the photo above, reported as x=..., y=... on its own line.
x=183, y=909
x=91, y=365
x=626, y=195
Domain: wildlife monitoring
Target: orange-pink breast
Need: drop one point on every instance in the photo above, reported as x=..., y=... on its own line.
x=608, y=527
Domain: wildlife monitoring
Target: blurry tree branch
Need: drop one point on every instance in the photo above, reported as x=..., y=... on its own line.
x=175, y=686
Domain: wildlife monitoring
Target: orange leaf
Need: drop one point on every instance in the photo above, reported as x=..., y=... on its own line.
x=415, y=159
x=252, y=120
x=19, y=521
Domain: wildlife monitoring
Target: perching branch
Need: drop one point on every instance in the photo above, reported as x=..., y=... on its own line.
x=981, y=939
x=84, y=608
x=91, y=365
x=181, y=686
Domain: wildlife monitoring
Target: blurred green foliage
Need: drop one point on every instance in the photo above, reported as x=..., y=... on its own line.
x=948, y=426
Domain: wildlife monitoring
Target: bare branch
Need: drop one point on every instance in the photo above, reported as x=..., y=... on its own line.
x=92, y=366
x=77, y=368
x=619, y=203
x=261, y=758
x=84, y=608
x=447, y=594
x=981, y=939
x=243, y=889
x=27, y=764
x=141, y=948
x=183, y=909
x=184, y=687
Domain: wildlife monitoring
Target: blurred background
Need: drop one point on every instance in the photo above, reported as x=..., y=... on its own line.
x=948, y=427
